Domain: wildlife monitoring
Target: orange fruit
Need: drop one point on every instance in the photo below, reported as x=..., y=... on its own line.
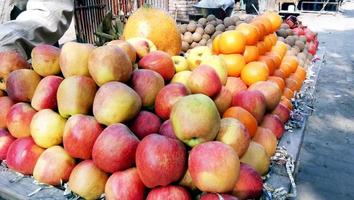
x=279, y=81
x=276, y=58
x=286, y=102
x=280, y=48
x=232, y=42
x=251, y=53
x=261, y=47
x=292, y=84
x=274, y=19
x=266, y=22
x=254, y=72
x=301, y=72
x=288, y=93
x=215, y=45
x=269, y=62
x=286, y=67
x=244, y=117
x=250, y=32
x=152, y=23
x=261, y=28
x=268, y=43
x=273, y=37
x=279, y=73
x=293, y=61
x=234, y=63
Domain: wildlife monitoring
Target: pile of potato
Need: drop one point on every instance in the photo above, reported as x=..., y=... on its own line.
x=203, y=31
x=297, y=45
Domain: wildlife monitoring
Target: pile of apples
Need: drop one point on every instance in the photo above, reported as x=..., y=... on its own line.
x=134, y=122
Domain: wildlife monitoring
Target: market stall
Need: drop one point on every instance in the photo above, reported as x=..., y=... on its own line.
x=210, y=109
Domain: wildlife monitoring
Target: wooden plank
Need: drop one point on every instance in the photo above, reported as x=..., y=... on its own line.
x=19, y=190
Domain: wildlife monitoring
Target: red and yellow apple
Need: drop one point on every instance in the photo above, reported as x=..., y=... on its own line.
x=5, y=104
x=45, y=60
x=87, y=180
x=235, y=85
x=267, y=139
x=167, y=97
x=169, y=192
x=115, y=102
x=249, y=184
x=142, y=46
x=45, y=171
x=18, y=120
x=233, y=133
x=282, y=112
x=45, y=95
x=109, y=63
x=223, y=100
x=74, y=58
x=125, y=185
x=147, y=83
x=253, y=101
x=159, y=62
x=80, y=134
x=160, y=160
x=194, y=56
x=21, y=84
x=181, y=77
x=10, y=61
x=114, y=149
x=22, y=155
x=273, y=123
x=47, y=128
x=270, y=91
x=6, y=139
x=204, y=80
x=75, y=95
x=256, y=156
x=145, y=124
x=214, y=167
x=125, y=46
x=166, y=129
x=195, y=119
x=217, y=196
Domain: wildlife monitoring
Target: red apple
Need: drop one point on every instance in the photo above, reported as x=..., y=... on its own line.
x=115, y=102
x=5, y=104
x=125, y=46
x=114, y=149
x=109, y=63
x=75, y=95
x=169, y=192
x=87, y=180
x=22, y=155
x=6, y=140
x=249, y=184
x=223, y=100
x=147, y=84
x=45, y=59
x=145, y=123
x=217, y=196
x=45, y=95
x=235, y=85
x=142, y=46
x=160, y=160
x=166, y=129
x=19, y=119
x=282, y=112
x=270, y=91
x=204, y=80
x=21, y=84
x=167, y=97
x=195, y=119
x=273, y=123
x=214, y=167
x=232, y=132
x=80, y=134
x=10, y=61
x=125, y=185
x=53, y=174
x=160, y=62
x=252, y=101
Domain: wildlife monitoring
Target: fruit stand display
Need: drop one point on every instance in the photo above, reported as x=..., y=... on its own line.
x=135, y=119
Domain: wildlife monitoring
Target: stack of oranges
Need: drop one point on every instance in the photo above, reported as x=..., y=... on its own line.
x=252, y=52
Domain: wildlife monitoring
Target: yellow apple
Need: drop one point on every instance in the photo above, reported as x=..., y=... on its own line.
x=218, y=64
x=194, y=56
x=181, y=77
x=180, y=63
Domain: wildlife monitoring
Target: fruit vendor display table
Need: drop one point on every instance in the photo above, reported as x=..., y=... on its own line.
x=16, y=187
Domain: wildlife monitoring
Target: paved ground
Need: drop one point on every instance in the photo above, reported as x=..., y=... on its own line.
x=326, y=168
